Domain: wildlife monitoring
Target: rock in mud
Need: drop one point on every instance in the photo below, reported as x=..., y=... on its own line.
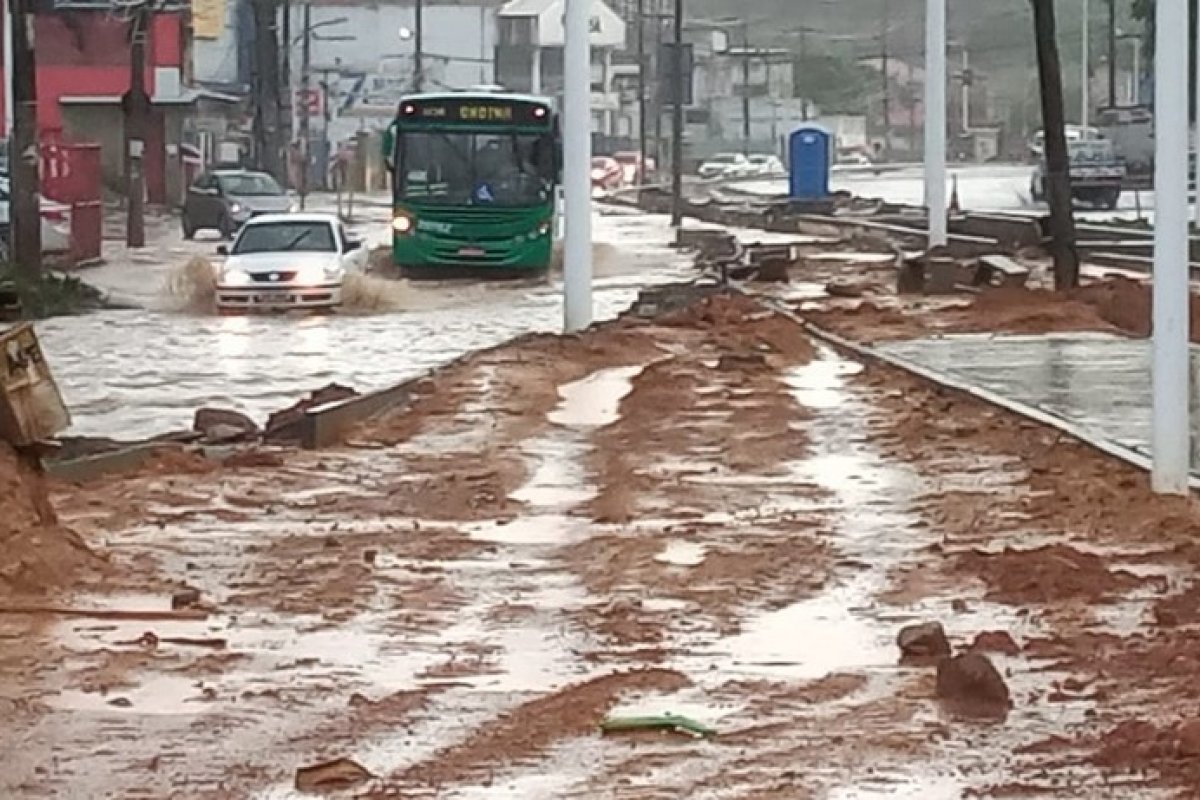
x=208, y=418
x=925, y=641
x=224, y=434
x=972, y=681
x=1187, y=737
x=996, y=642
x=331, y=776
x=185, y=598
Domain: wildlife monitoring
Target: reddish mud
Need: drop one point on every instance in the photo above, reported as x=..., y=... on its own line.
x=456, y=598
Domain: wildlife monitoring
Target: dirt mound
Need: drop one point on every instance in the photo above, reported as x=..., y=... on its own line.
x=1047, y=574
x=1035, y=311
x=740, y=322
x=1127, y=304
x=36, y=553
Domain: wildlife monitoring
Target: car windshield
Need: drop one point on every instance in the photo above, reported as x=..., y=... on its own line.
x=759, y=159
x=283, y=237
x=627, y=158
x=249, y=185
x=600, y=163
x=476, y=169
x=724, y=158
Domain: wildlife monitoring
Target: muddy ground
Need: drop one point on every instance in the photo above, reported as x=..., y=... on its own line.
x=709, y=514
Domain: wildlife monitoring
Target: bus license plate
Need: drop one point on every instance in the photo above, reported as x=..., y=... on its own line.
x=471, y=251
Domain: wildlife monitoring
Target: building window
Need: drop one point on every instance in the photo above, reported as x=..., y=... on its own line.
x=517, y=30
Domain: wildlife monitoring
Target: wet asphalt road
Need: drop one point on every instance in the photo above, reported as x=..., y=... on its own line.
x=135, y=373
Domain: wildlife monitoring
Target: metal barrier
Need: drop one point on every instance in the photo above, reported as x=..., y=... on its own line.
x=71, y=174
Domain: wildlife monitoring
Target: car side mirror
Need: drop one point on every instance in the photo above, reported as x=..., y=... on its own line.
x=352, y=245
x=222, y=250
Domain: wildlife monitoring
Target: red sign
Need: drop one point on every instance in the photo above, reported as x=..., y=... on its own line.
x=310, y=101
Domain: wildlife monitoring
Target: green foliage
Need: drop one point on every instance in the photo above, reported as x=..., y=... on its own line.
x=54, y=295
x=837, y=85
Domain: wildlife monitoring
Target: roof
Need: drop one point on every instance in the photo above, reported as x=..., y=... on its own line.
x=526, y=8
x=300, y=216
x=478, y=95
x=185, y=98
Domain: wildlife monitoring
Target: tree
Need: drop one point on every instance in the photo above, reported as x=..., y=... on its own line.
x=1057, y=180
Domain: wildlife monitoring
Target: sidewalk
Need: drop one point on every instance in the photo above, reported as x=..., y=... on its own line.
x=709, y=514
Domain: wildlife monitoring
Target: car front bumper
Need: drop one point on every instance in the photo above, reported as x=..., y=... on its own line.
x=279, y=297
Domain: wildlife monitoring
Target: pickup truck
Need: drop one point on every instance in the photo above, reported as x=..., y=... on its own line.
x=1096, y=173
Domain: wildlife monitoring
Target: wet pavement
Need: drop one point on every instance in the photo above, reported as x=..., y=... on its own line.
x=1097, y=381
x=135, y=373
x=981, y=187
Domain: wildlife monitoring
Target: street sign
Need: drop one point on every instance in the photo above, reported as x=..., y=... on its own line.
x=311, y=102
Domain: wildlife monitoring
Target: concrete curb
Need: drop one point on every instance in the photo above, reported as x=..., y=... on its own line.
x=1130, y=456
x=324, y=426
x=88, y=468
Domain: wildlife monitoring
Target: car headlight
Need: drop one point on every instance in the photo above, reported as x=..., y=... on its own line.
x=236, y=208
x=597, y=174
x=235, y=277
x=315, y=274
x=402, y=224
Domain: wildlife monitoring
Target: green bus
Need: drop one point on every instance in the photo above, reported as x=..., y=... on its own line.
x=474, y=184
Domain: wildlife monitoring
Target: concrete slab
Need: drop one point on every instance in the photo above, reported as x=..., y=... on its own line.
x=1098, y=382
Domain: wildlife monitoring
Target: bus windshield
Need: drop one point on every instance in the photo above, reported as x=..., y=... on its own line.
x=478, y=169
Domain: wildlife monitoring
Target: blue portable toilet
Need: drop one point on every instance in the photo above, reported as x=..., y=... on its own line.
x=810, y=154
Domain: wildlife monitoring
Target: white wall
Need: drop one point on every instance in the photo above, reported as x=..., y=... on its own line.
x=216, y=60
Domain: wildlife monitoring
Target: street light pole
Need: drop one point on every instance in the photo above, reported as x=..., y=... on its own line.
x=935, y=120
x=1171, y=433
x=419, y=46
x=1112, y=53
x=641, y=49
x=25, y=217
x=884, y=59
x=745, y=87
x=305, y=108
x=577, y=158
x=1085, y=67
x=677, y=120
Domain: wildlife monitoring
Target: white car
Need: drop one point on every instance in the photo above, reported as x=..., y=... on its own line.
x=284, y=262
x=724, y=165
x=765, y=165
x=56, y=219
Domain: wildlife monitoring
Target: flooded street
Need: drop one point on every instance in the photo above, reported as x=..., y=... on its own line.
x=129, y=374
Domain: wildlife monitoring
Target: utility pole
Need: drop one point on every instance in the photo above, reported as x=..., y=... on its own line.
x=419, y=46
x=577, y=160
x=287, y=113
x=885, y=23
x=137, y=111
x=1112, y=53
x=641, y=51
x=1085, y=79
x=677, y=120
x=25, y=156
x=1171, y=437
x=660, y=17
x=1058, y=181
x=745, y=87
x=268, y=127
x=935, y=121
x=305, y=106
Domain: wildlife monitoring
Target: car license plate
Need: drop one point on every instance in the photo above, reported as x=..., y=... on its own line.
x=471, y=251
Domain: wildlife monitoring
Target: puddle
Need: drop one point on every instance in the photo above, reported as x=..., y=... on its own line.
x=158, y=694
x=815, y=638
x=819, y=384
x=682, y=554
x=595, y=400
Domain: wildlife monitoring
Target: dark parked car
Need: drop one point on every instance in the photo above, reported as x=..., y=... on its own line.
x=224, y=199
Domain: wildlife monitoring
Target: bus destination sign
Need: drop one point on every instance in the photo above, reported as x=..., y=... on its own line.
x=475, y=111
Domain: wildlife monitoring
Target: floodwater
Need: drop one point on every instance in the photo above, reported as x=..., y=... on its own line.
x=1096, y=381
x=140, y=372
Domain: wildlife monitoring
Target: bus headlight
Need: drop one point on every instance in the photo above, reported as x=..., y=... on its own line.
x=543, y=229
x=402, y=224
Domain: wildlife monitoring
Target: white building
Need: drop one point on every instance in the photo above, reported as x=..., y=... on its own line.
x=529, y=55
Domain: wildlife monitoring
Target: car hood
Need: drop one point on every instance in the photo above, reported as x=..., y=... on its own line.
x=264, y=204
x=266, y=263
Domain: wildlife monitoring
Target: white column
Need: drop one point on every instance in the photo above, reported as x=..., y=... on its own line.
x=935, y=120
x=8, y=69
x=1171, y=434
x=1085, y=76
x=535, y=79
x=577, y=159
